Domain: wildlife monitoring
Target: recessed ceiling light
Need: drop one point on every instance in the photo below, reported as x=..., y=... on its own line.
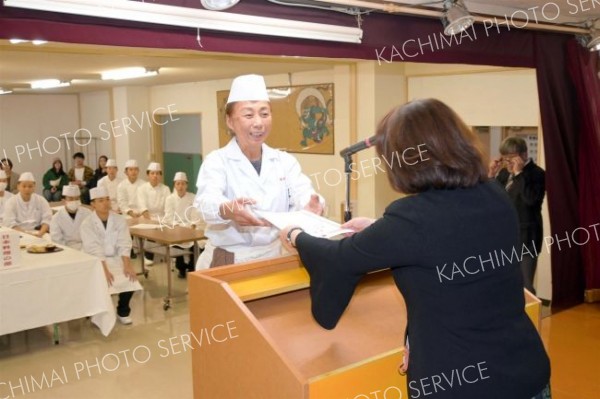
x=128, y=73
x=38, y=42
x=17, y=41
x=48, y=84
x=3, y=91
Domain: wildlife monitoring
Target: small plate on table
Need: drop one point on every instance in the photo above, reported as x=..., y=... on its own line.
x=43, y=249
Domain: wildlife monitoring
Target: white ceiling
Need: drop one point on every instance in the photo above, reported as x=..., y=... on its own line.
x=22, y=63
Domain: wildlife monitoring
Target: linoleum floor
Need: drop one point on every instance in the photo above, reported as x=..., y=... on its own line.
x=148, y=360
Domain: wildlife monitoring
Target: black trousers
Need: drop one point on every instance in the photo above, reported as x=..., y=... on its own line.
x=182, y=266
x=123, y=308
x=531, y=238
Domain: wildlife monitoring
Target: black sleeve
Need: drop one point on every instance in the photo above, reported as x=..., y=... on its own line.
x=336, y=267
x=532, y=187
x=502, y=177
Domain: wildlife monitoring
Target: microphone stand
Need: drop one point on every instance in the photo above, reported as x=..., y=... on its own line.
x=348, y=170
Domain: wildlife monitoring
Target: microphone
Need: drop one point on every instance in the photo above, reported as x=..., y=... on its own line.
x=361, y=145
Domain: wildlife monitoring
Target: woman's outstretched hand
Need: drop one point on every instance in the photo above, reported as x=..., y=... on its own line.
x=358, y=224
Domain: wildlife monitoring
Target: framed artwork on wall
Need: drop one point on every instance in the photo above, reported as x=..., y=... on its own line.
x=302, y=118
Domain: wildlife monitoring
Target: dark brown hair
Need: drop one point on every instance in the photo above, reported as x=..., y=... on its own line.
x=449, y=153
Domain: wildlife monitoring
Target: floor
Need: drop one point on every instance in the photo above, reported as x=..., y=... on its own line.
x=137, y=361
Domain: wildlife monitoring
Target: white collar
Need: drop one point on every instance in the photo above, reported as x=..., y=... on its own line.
x=233, y=151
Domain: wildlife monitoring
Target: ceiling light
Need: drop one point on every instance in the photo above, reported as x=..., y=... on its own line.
x=3, y=91
x=278, y=94
x=38, y=42
x=48, y=84
x=218, y=5
x=594, y=43
x=17, y=41
x=456, y=17
x=195, y=18
x=128, y=73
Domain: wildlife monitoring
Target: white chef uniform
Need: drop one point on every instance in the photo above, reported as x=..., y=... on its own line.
x=109, y=244
x=26, y=215
x=152, y=199
x=227, y=174
x=127, y=197
x=65, y=230
x=112, y=188
x=3, y=199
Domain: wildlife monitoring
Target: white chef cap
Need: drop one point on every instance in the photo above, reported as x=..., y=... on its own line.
x=248, y=88
x=71, y=190
x=98, y=192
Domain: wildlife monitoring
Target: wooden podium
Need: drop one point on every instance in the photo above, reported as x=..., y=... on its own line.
x=255, y=336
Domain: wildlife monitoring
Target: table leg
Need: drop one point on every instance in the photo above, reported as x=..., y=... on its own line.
x=196, y=252
x=167, y=301
x=142, y=256
x=56, y=334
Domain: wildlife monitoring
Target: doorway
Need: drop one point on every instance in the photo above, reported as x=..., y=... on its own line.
x=178, y=145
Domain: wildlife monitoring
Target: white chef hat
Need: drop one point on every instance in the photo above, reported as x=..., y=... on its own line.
x=27, y=176
x=3, y=174
x=154, y=167
x=111, y=162
x=71, y=190
x=98, y=192
x=248, y=88
x=132, y=163
x=180, y=176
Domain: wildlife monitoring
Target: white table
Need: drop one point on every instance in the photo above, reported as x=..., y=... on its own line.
x=53, y=288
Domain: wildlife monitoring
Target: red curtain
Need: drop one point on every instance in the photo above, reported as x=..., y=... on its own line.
x=584, y=70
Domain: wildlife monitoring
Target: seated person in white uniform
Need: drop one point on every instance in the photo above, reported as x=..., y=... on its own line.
x=66, y=223
x=180, y=211
x=153, y=194
x=4, y=193
x=151, y=199
x=248, y=173
x=105, y=234
x=111, y=182
x=27, y=211
x=127, y=197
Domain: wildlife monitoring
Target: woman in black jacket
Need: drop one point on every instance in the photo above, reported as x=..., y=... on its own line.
x=450, y=245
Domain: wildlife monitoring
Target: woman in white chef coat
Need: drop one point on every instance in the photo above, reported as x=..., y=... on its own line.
x=246, y=174
x=66, y=223
x=26, y=210
x=105, y=234
x=5, y=194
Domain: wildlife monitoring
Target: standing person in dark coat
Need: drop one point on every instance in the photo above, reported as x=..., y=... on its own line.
x=525, y=183
x=470, y=337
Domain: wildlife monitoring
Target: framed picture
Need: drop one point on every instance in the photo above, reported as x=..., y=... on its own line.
x=302, y=118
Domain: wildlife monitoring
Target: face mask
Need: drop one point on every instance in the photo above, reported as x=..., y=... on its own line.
x=3, y=186
x=72, y=205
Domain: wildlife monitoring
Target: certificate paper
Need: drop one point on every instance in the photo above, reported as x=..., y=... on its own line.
x=314, y=225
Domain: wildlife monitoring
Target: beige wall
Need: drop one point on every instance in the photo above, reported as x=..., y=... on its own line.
x=94, y=110
x=30, y=127
x=507, y=98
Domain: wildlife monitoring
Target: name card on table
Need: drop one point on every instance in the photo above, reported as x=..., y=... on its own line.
x=10, y=257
